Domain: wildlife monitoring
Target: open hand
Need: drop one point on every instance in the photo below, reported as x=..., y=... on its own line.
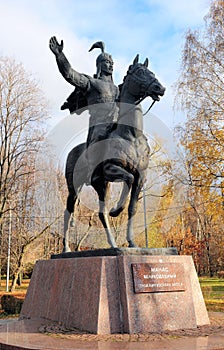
x=55, y=47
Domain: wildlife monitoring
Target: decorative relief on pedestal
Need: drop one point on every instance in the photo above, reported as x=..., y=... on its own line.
x=160, y=277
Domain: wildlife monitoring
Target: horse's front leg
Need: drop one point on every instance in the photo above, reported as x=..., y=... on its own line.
x=113, y=173
x=132, y=208
x=130, y=235
x=103, y=215
x=102, y=189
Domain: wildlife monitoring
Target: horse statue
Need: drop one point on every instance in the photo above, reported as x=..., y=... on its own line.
x=123, y=156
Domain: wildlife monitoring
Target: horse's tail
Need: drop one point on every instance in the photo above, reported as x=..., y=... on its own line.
x=74, y=185
x=71, y=164
x=75, y=174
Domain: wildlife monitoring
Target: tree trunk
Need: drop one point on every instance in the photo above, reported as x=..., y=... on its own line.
x=210, y=273
x=15, y=278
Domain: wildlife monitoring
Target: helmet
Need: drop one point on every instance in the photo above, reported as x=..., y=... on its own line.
x=102, y=57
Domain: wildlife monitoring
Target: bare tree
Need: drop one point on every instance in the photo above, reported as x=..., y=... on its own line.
x=23, y=111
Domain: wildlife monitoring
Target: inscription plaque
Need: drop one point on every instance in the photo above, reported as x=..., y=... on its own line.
x=151, y=278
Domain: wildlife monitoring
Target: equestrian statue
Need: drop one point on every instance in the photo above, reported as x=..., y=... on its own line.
x=116, y=149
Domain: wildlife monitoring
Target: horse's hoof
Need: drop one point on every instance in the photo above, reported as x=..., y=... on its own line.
x=131, y=244
x=114, y=212
x=66, y=250
x=72, y=223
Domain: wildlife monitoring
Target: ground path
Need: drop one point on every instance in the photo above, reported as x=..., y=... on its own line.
x=35, y=335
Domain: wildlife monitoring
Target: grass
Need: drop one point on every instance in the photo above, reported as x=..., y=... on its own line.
x=19, y=289
x=213, y=293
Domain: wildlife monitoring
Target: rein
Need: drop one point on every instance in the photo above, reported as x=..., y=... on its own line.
x=137, y=103
x=149, y=107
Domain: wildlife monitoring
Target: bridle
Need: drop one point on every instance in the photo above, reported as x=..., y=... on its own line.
x=143, y=97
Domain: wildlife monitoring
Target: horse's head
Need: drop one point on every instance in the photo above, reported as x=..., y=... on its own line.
x=140, y=82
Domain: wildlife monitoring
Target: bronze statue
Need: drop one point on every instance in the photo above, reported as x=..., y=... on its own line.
x=120, y=153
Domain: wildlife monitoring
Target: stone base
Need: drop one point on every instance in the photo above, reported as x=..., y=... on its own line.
x=116, y=252
x=97, y=294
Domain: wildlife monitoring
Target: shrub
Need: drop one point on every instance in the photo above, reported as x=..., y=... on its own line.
x=11, y=304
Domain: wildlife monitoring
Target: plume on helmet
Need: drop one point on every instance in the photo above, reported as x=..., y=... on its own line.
x=98, y=45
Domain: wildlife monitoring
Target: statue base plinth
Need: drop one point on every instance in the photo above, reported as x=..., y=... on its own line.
x=116, y=252
x=123, y=293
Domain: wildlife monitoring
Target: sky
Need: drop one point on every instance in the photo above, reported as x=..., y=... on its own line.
x=152, y=28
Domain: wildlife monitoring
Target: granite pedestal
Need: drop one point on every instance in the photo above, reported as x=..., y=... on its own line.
x=117, y=291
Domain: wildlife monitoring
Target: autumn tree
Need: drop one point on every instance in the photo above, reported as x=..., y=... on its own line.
x=200, y=92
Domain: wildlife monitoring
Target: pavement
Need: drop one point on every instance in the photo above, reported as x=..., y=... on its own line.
x=25, y=334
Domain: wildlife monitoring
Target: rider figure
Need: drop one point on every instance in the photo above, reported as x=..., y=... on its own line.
x=100, y=92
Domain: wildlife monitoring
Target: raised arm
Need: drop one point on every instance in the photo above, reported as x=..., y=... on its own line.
x=70, y=75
